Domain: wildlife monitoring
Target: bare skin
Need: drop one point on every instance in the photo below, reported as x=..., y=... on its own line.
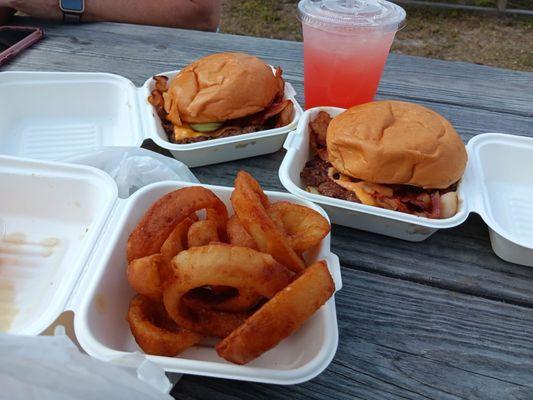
x=188, y=14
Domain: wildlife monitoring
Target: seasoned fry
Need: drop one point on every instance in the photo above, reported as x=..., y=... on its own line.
x=280, y=317
x=250, y=204
x=155, y=332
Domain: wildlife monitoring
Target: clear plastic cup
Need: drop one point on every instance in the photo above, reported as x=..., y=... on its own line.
x=346, y=44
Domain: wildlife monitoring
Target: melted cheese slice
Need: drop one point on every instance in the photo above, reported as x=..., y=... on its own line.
x=363, y=190
x=184, y=132
x=357, y=188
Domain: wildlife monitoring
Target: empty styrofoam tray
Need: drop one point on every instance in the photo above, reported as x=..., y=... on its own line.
x=497, y=184
x=52, y=215
x=63, y=249
x=53, y=115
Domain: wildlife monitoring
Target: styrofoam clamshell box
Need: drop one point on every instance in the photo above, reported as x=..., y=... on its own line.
x=497, y=184
x=63, y=234
x=53, y=115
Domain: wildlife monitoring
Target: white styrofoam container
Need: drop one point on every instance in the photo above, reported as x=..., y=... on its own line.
x=497, y=184
x=74, y=112
x=63, y=249
x=360, y=216
x=223, y=149
x=52, y=215
x=502, y=192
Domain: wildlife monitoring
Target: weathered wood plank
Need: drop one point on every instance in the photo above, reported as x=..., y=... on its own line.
x=401, y=340
x=108, y=47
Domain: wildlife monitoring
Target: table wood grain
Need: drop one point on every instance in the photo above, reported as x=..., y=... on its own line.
x=441, y=319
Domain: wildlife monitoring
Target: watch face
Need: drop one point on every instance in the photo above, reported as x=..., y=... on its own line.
x=72, y=5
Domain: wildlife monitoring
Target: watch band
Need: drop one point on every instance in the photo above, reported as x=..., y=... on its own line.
x=72, y=10
x=71, y=17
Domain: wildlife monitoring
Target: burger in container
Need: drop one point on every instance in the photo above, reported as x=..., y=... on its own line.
x=64, y=240
x=223, y=107
x=400, y=169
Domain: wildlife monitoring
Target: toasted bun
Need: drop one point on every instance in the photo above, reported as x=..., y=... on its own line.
x=221, y=87
x=395, y=142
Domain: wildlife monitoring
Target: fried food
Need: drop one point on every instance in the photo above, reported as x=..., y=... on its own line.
x=223, y=277
x=304, y=227
x=202, y=232
x=242, y=300
x=177, y=240
x=237, y=235
x=144, y=276
x=280, y=317
x=225, y=265
x=250, y=204
x=161, y=219
x=223, y=298
x=155, y=332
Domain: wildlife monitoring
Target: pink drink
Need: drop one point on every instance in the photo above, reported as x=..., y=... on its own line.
x=345, y=74
x=346, y=44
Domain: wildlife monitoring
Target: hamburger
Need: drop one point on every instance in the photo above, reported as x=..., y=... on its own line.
x=391, y=154
x=221, y=95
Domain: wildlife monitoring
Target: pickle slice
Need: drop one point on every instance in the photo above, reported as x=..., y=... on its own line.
x=207, y=127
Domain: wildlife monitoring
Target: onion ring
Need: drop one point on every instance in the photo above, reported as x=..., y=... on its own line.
x=177, y=240
x=243, y=301
x=250, y=204
x=237, y=235
x=224, y=265
x=163, y=216
x=144, y=276
x=155, y=332
x=304, y=227
x=202, y=232
x=224, y=298
x=280, y=317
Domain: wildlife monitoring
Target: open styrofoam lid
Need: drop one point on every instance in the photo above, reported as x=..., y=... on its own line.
x=52, y=215
x=53, y=115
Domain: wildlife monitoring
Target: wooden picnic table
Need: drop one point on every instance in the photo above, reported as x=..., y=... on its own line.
x=441, y=319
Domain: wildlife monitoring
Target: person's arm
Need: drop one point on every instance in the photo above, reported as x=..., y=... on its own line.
x=190, y=14
x=5, y=14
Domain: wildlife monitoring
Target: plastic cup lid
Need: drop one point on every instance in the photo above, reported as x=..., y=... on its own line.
x=351, y=15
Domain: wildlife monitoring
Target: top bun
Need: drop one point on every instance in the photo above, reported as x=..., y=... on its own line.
x=394, y=142
x=220, y=87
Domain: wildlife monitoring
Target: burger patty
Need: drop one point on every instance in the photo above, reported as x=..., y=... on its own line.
x=407, y=199
x=315, y=174
x=231, y=131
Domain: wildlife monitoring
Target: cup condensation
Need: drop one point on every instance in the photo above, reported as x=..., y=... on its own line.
x=346, y=44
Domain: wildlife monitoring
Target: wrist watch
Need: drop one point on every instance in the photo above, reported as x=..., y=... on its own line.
x=72, y=10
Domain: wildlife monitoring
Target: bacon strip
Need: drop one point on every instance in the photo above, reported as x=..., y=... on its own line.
x=261, y=117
